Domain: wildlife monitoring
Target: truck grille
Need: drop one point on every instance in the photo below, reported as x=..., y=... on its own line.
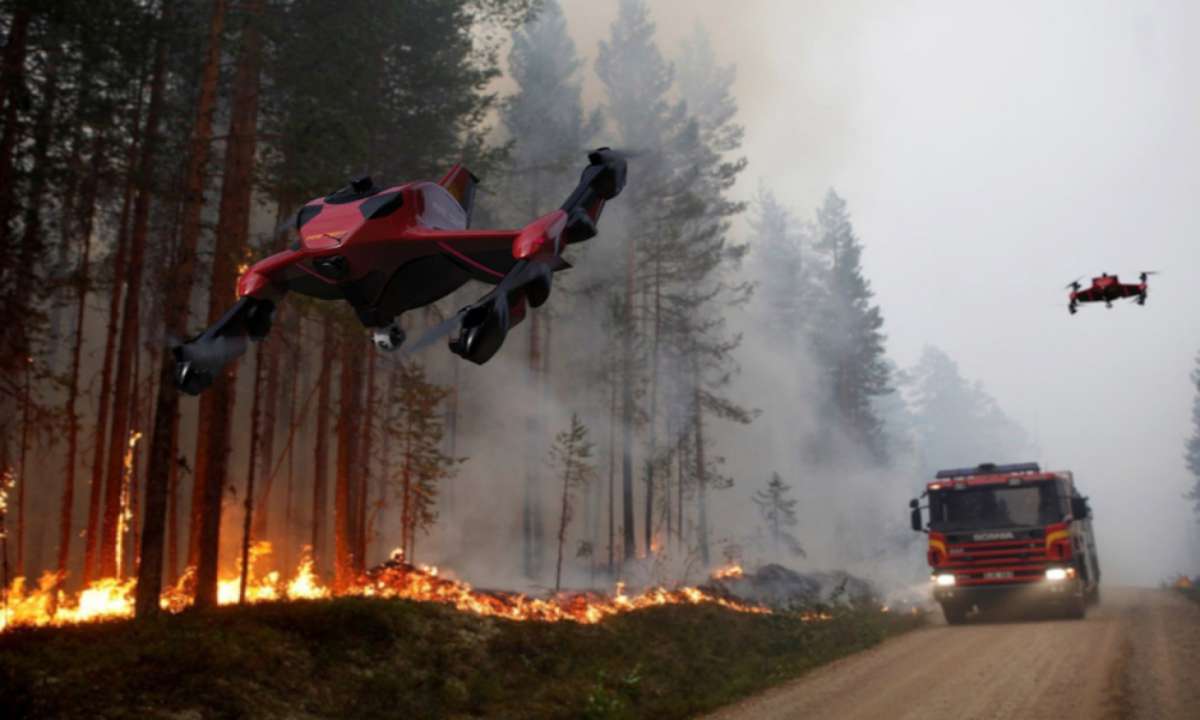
x=996, y=562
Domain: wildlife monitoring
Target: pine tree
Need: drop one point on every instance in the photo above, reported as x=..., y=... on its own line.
x=216, y=406
x=847, y=336
x=546, y=122
x=637, y=80
x=416, y=428
x=778, y=510
x=1192, y=447
x=956, y=422
x=571, y=458
x=165, y=440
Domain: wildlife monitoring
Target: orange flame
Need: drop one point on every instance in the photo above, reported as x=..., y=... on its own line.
x=109, y=598
x=728, y=572
x=125, y=518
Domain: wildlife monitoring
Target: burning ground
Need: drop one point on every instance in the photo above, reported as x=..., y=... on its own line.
x=372, y=657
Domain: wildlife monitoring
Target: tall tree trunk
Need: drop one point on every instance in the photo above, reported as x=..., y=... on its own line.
x=172, y=558
x=321, y=446
x=233, y=226
x=105, y=400
x=533, y=456
x=681, y=461
x=32, y=248
x=129, y=323
x=701, y=476
x=84, y=227
x=652, y=441
x=612, y=479
x=162, y=474
x=12, y=80
x=364, y=453
x=23, y=478
x=627, y=404
x=262, y=508
x=252, y=465
x=293, y=422
x=346, y=489
x=91, y=564
x=563, y=518
x=385, y=459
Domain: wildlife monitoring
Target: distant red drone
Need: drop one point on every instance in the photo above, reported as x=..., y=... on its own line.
x=1107, y=288
x=387, y=251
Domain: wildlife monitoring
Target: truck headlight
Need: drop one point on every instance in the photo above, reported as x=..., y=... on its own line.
x=1055, y=574
x=944, y=580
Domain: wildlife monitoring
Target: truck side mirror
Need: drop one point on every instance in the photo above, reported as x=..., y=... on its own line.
x=1079, y=508
x=916, y=515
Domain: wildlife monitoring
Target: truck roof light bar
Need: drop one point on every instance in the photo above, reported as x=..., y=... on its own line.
x=988, y=469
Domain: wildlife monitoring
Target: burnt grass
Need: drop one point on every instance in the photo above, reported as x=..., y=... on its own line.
x=372, y=658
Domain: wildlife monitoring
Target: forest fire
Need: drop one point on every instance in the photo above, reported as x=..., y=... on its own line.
x=728, y=572
x=109, y=598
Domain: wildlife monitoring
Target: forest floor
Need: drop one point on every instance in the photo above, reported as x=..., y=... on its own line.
x=372, y=658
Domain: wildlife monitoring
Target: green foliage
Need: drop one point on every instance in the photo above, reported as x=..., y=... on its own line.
x=955, y=421
x=371, y=658
x=778, y=510
x=416, y=425
x=846, y=334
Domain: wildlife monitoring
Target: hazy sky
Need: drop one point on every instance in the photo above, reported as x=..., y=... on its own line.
x=990, y=153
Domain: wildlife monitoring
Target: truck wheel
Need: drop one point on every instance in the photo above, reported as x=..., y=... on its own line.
x=1076, y=607
x=956, y=614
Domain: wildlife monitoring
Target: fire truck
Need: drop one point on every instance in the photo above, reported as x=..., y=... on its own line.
x=1008, y=535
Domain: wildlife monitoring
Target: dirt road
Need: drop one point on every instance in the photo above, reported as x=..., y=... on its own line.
x=1137, y=655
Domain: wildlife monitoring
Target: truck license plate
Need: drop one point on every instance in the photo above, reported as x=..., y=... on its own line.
x=999, y=575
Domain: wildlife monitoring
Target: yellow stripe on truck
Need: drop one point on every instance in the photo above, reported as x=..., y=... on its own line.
x=1055, y=537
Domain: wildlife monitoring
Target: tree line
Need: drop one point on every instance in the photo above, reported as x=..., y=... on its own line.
x=142, y=167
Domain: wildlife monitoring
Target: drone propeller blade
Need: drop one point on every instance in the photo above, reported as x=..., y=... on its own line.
x=628, y=153
x=435, y=333
x=1073, y=285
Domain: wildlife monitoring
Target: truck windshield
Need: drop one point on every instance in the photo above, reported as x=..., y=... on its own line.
x=994, y=506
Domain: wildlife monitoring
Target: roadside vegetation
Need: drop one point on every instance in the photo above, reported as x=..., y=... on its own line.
x=371, y=658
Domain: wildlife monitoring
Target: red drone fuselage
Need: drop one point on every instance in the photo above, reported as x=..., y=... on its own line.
x=1106, y=289
x=395, y=250
x=387, y=251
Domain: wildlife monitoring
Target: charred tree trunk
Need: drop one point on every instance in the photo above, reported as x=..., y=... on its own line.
x=162, y=471
x=23, y=479
x=106, y=401
x=252, y=465
x=530, y=506
x=346, y=490
x=367, y=433
x=652, y=442
x=385, y=456
x=128, y=346
x=701, y=476
x=84, y=227
x=233, y=225
x=32, y=248
x=612, y=480
x=321, y=446
x=262, y=507
x=293, y=423
x=628, y=410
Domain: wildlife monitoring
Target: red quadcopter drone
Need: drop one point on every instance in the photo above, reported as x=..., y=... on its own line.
x=1107, y=288
x=387, y=251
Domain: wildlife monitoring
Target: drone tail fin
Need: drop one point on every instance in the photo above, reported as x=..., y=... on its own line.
x=461, y=183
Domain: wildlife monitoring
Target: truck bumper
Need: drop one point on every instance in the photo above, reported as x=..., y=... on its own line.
x=1043, y=592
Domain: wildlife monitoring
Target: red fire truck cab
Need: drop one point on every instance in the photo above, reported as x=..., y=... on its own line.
x=1003, y=535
